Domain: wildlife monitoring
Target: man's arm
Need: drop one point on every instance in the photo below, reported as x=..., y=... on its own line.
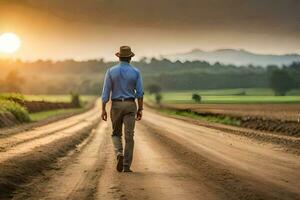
x=139, y=113
x=104, y=113
x=140, y=95
x=140, y=103
x=106, y=94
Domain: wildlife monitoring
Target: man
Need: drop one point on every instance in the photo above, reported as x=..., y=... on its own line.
x=123, y=83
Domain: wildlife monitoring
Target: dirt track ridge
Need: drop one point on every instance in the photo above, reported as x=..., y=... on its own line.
x=25, y=155
x=173, y=159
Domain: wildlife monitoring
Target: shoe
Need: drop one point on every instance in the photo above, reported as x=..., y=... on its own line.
x=126, y=169
x=120, y=163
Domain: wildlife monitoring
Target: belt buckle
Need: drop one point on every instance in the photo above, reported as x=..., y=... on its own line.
x=122, y=99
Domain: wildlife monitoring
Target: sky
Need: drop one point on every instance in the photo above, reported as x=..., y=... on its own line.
x=86, y=29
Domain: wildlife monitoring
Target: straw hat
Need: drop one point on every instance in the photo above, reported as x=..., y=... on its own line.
x=125, y=51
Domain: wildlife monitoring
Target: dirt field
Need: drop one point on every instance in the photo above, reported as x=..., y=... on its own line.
x=174, y=159
x=278, y=118
x=284, y=112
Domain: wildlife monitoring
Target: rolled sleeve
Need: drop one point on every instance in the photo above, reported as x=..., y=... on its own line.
x=106, y=87
x=139, y=86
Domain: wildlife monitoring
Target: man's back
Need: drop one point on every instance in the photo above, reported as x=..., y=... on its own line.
x=123, y=81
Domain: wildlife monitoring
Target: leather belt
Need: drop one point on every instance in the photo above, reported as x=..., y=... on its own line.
x=124, y=99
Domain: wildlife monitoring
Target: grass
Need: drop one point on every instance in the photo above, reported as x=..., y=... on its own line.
x=20, y=113
x=57, y=98
x=47, y=114
x=8, y=104
x=229, y=96
x=210, y=118
x=238, y=91
x=12, y=96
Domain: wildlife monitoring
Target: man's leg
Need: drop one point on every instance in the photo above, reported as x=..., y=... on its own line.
x=129, y=124
x=117, y=121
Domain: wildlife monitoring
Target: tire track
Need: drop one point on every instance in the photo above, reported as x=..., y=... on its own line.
x=23, y=162
x=286, y=142
x=242, y=169
x=32, y=144
x=173, y=160
x=157, y=175
x=9, y=142
x=78, y=174
x=21, y=169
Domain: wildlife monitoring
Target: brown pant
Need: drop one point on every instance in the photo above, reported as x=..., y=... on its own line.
x=123, y=113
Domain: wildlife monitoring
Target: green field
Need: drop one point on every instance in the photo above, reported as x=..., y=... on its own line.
x=8, y=105
x=57, y=98
x=47, y=114
x=216, y=119
x=229, y=96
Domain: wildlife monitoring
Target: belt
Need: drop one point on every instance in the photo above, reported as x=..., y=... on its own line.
x=124, y=99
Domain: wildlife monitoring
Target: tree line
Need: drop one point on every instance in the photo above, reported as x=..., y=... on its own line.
x=86, y=77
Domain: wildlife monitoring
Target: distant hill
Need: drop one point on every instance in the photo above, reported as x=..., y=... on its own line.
x=237, y=57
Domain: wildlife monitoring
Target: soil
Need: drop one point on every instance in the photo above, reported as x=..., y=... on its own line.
x=173, y=159
x=13, y=126
x=7, y=119
x=278, y=118
x=39, y=106
x=282, y=112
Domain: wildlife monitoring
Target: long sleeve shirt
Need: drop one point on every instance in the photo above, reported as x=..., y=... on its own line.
x=121, y=82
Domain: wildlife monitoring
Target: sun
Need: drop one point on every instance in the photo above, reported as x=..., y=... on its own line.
x=9, y=43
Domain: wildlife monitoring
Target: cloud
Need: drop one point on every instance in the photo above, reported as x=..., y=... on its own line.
x=177, y=14
x=87, y=28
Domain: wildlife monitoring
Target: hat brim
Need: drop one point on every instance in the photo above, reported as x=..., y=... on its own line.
x=124, y=56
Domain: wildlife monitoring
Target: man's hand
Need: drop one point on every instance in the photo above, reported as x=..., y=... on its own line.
x=104, y=115
x=139, y=115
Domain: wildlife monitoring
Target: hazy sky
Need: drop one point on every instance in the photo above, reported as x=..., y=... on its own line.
x=84, y=29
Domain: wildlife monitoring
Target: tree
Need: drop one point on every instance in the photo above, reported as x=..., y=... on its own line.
x=75, y=100
x=2, y=86
x=154, y=89
x=281, y=82
x=272, y=68
x=13, y=82
x=158, y=98
x=196, y=98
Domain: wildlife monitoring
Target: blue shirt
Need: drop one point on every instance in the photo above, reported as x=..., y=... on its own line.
x=122, y=81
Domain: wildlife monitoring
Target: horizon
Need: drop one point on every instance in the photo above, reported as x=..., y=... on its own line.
x=137, y=58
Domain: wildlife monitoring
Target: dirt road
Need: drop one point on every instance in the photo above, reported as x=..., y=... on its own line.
x=173, y=159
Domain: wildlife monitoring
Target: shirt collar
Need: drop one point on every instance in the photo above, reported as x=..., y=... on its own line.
x=123, y=63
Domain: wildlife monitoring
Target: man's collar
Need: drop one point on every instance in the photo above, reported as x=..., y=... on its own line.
x=124, y=63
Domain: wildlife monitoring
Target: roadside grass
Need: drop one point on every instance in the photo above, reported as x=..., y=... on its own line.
x=57, y=98
x=51, y=113
x=229, y=96
x=239, y=92
x=209, y=118
x=12, y=96
x=9, y=104
x=20, y=113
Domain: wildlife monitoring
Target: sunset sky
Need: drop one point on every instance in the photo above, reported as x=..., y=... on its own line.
x=83, y=29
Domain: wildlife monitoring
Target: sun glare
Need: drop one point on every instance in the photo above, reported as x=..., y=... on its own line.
x=9, y=43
